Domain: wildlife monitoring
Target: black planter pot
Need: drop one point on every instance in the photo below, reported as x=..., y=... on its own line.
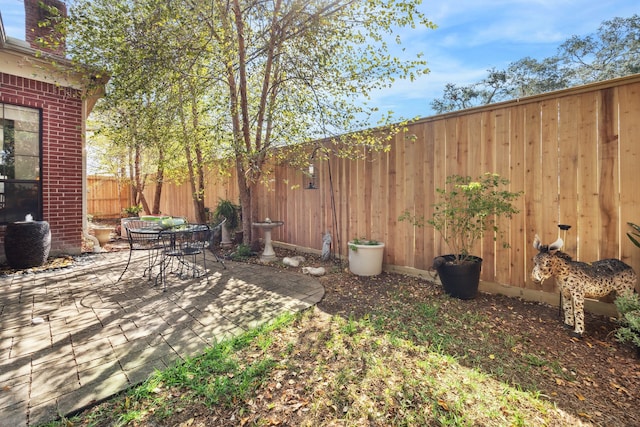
x=459, y=280
x=27, y=243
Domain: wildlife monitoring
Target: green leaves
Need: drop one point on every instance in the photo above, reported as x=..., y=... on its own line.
x=468, y=208
x=634, y=236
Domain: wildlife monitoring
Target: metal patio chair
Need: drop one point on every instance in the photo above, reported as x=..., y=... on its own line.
x=147, y=240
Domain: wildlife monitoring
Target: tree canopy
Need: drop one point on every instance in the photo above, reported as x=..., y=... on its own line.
x=240, y=78
x=612, y=51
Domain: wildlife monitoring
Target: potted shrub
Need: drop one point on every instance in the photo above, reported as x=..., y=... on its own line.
x=132, y=211
x=231, y=212
x=365, y=257
x=466, y=210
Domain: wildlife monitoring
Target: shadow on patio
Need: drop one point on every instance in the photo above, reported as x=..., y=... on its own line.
x=74, y=336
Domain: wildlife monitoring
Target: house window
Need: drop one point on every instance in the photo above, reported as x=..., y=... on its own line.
x=20, y=184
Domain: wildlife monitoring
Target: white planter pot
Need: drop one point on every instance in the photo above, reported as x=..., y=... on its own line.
x=225, y=237
x=365, y=260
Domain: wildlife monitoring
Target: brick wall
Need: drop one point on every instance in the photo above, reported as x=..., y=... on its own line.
x=61, y=155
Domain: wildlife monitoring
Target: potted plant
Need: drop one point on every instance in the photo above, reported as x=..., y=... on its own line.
x=231, y=212
x=365, y=257
x=132, y=211
x=466, y=210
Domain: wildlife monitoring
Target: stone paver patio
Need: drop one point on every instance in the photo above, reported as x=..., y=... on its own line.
x=72, y=337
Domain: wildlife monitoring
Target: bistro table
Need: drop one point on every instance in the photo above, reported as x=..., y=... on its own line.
x=166, y=244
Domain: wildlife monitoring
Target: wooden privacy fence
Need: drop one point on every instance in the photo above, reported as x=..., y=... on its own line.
x=575, y=154
x=107, y=196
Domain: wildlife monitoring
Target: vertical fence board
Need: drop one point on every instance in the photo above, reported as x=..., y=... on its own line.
x=439, y=172
x=549, y=188
x=502, y=273
x=569, y=122
x=420, y=179
x=516, y=232
x=585, y=228
x=532, y=184
x=395, y=182
x=488, y=160
x=427, y=234
x=609, y=173
x=629, y=134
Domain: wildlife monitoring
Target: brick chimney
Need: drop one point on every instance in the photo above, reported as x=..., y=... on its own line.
x=35, y=13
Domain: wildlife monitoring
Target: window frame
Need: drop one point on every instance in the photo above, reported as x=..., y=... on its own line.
x=9, y=217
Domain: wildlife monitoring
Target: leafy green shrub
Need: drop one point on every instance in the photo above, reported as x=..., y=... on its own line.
x=132, y=211
x=629, y=308
x=242, y=252
x=634, y=236
x=229, y=210
x=467, y=208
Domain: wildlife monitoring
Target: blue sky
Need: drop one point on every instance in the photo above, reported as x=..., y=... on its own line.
x=472, y=37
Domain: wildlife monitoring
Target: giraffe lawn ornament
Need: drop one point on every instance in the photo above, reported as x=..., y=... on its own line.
x=578, y=280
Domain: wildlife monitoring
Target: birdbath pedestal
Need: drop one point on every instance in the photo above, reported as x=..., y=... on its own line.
x=268, y=254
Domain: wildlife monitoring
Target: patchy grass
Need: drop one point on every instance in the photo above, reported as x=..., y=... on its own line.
x=407, y=363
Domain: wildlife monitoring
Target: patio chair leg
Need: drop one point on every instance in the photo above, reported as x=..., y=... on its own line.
x=218, y=259
x=125, y=268
x=163, y=274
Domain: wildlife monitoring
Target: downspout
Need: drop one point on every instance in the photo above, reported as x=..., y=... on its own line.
x=85, y=224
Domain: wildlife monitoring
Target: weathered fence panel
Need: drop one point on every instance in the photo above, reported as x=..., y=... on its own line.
x=574, y=153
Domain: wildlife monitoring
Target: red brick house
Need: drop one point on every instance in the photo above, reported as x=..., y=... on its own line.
x=42, y=123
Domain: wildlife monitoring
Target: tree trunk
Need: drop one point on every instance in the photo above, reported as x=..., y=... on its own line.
x=158, y=192
x=139, y=181
x=247, y=218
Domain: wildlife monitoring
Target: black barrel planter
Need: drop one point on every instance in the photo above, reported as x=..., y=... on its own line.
x=459, y=280
x=27, y=243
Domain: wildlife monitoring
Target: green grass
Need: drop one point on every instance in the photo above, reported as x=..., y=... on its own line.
x=410, y=363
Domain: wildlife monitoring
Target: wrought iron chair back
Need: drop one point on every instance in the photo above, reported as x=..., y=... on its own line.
x=139, y=241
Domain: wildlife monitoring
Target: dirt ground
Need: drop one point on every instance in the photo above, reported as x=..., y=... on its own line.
x=605, y=373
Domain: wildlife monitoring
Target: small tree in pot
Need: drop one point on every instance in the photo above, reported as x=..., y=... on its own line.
x=467, y=209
